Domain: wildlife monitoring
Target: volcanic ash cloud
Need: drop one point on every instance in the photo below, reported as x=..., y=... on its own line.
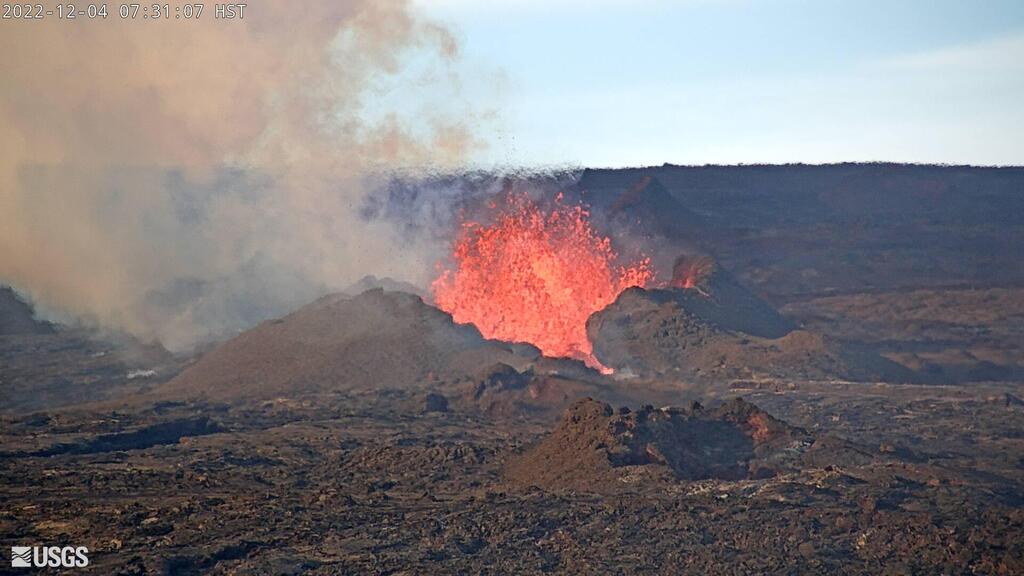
x=183, y=179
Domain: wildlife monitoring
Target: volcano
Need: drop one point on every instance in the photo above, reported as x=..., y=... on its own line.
x=383, y=341
x=392, y=340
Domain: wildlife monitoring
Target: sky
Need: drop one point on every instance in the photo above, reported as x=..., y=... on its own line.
x=614, y=83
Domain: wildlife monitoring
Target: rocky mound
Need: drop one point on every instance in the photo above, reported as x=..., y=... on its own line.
x=596, y=448
x=707, y=325
x=375, y=340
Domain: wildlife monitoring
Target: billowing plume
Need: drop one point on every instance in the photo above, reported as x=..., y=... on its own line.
x=182, y=179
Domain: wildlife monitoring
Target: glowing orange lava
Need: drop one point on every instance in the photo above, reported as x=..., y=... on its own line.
x=535, y=275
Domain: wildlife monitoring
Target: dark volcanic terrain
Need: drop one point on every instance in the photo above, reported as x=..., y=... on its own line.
x=44, y=365
x=341, y=483
x=831, y=381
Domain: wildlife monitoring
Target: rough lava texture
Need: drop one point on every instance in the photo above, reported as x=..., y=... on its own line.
x=596, y=448
x=358, y=482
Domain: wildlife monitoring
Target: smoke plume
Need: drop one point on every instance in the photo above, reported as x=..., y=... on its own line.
x=181, y=179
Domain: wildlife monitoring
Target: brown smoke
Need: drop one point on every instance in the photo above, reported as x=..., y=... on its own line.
x=177, y=179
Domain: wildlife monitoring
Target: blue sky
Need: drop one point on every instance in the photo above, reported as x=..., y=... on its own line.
x=612, y=83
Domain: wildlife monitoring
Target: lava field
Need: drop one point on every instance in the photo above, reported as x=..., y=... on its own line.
x=779, y=401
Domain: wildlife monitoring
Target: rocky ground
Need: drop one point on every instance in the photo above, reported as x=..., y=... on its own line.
x=947, y=336
x=921, y=481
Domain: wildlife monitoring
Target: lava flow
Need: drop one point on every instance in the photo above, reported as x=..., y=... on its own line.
x=535, y=275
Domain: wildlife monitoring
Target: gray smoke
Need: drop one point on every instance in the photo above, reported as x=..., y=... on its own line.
x=181, y=180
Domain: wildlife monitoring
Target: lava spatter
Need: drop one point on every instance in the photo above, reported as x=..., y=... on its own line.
x=535, y=274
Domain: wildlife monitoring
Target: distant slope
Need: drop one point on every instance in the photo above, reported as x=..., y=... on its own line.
x=710, y=327
x=17, y=315
x=45, y=365
x=798, y=230
x=643, y=208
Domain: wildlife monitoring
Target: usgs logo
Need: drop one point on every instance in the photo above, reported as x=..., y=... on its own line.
x=49, y=557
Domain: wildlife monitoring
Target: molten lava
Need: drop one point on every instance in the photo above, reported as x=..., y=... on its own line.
x=535, y=275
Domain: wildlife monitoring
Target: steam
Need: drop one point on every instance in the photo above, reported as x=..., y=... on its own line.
x=183, y=179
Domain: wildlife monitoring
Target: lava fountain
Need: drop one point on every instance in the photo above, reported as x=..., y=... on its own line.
x=535, y=275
